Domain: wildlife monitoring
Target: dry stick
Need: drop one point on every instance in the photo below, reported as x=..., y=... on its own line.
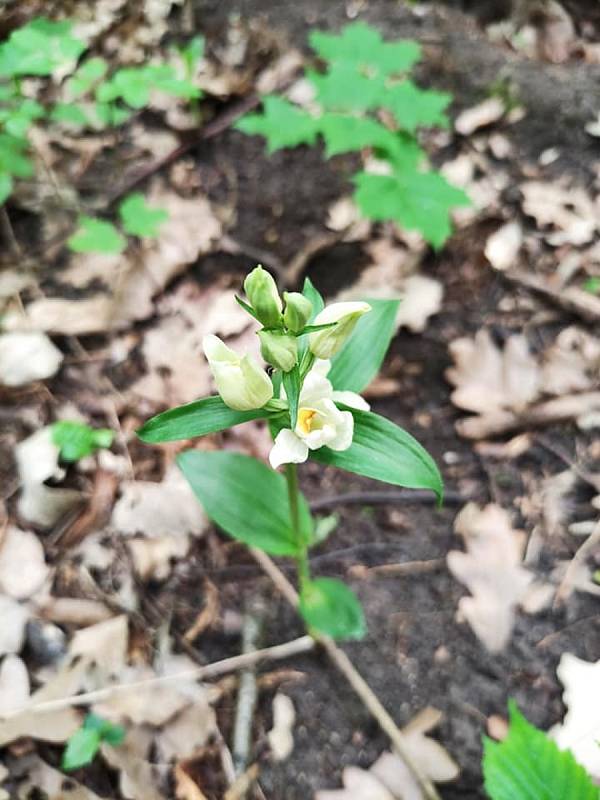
x=417, y=496
x=354, y=678
x=247, y=689
x=575, y=301
x=402, y=569
x=566, y=585
x=292, y=648
x=561, y=409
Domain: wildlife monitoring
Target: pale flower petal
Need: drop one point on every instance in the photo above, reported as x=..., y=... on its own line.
x=344, y=432
x=241, y=382
x=326, y=343
x=288, y=449
x=352, y=400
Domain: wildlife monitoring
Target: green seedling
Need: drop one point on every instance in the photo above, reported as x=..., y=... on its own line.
x=77, y=440
x=83, y=746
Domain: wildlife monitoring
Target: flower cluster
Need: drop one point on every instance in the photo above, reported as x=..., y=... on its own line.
x=244, y=385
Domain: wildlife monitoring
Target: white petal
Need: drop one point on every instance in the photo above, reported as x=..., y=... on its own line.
x=320, y=438
x=288, y=449
x=352, y=400
x=315, y=388
x=345, y=430
x=337, y=311
x=216, y=350
x=321, y=366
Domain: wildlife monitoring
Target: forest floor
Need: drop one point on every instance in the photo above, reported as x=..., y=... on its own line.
x=134, y=548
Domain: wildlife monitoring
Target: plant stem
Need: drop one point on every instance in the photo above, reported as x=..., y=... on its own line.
x=291, y=476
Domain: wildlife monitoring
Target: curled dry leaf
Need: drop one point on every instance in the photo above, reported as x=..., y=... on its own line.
x=14, y=618
x=23, y=569
x=502, y=247
x=569, y=213
x=479, y=116
x=138, y=778
x=492, y=569
x=190, y=730
x=104, y=644
x=580, y=729
x=44, y=779
x=14, y=684
x=26, y=357
x=281, y=737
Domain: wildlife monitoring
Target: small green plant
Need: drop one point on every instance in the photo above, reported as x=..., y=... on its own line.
x=592, y=285
x=84, y=744
x=93, y=97
x=365, y=102
x=528, y=765
x=321, y=358
x=77, y=440
x=100, y=236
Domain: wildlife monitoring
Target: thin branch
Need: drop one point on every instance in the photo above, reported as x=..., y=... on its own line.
x=354, y=678
x=403, y=569
x=400, y=496
x=292, y=648
x=570, y=577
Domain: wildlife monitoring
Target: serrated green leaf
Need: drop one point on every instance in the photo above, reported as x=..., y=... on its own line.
x=96, y=236
x=414, y=107
x=69, y=113
x=246, y=499
x=86, y=75
x=13, y=158
x=39, y=48
x=139, y=219
x=360, y=45
x=281, y=123
x=359, y=361
x=81, y=749
x=342, y=88
x=528, y=765
x=343, y=134
x=6, y=187
x=330, y=607
x=419, y=201
x=77, y=440
x=383, y=451
x=199, y=418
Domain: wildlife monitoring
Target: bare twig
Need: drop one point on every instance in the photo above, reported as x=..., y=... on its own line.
x=408, y=496
x=572, y=299
x=232, y=664
x=560, y=409
x=402, y=569
x=566, y=585
x=354, y=678
x=247, y=691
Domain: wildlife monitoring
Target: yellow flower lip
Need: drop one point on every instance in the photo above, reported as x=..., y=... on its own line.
x=305, y=418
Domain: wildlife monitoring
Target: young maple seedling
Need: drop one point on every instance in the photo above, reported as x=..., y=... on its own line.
x=83, y=746
x=321, y=358
x=364, y=102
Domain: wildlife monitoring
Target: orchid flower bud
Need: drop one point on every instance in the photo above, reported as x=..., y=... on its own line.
x=261, y=290
x=326, y=343
x=279, y=349
x=241, y=382
x=298, y=311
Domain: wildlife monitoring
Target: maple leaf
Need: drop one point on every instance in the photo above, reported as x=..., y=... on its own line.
x=417, y=200
x=344, y=88
x=281, y=123
x=362, y=46
x=412, y=106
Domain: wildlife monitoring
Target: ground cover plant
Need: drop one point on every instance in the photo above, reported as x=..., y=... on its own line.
x=267, y=608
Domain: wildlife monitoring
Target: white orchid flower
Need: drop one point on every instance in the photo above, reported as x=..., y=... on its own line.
x=326, y=343
x=320, y=421
x=241, y=382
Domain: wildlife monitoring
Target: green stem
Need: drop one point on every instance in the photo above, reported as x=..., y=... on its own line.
x=291, y=476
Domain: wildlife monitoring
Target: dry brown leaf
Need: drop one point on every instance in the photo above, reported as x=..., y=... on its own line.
x=492, y=569
x=502, y=247
x=571, y=363
x=485, y=113
x=44, y=779
x=489, y=379
x=281, y=736
x=139, y=779
x=556, y=36
x=159, y=510
x=104, y=644
x=182, y=737
x=26, y=357
x=77, y=611
x=186, y=787
x=37, y=458
x=570, y=212
x=14, y=684
x=14, y=618
x=358, y=785
x=23, y=569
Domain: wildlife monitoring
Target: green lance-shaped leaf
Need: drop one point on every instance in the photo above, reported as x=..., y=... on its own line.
x=199, y=418
x=359, y=361
x=383, y=451
x=330, y=607
x=528, y=765
x=246, y=499
x=292, y=386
